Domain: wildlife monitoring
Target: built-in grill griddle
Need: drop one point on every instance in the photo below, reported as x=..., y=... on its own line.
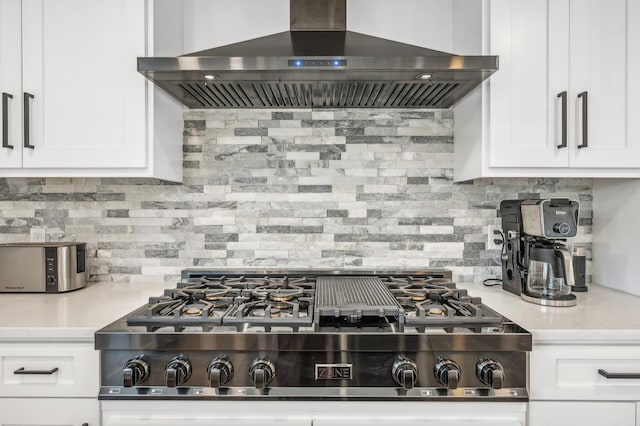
x=342, y=301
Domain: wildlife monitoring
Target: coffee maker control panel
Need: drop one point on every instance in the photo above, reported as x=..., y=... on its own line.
x=554, y=218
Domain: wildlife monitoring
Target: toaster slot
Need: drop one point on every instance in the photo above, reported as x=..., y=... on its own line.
x=81, y=255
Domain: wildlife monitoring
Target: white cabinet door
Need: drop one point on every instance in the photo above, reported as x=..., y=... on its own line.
x=424, y=422
x=633, y=84
x=49, y=412
x=10, y=84
x=601, y=38
x=562, y=413
x=159, y=419
x=79, y=62
x=201, y=421
x=531, y=37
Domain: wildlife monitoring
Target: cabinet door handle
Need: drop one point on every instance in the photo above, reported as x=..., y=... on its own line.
x=26, y=109
x=21, y=370
x=585, y=114
x=563, y=97
x=5, y=120
x=608, y=375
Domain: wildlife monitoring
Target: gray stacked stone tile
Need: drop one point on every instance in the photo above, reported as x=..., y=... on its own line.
x=344, y=188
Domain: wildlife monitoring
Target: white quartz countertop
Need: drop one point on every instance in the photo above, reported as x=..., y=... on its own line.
x=601, y=315
x=73, y=315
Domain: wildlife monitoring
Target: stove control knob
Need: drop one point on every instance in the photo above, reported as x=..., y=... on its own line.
x=447, y=372
x=262, y=373
x=135, y=371
x=220, y=371
x=178, y=371
x=490, y=372
x=405, y=372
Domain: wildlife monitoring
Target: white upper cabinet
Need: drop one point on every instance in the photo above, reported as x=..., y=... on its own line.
x=599, y=43
x=10, y=84
x=532, y=72
x=79, y=64
x=79, y=107
x=561, y=103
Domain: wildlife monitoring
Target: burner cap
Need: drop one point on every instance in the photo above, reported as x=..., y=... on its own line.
x=435, y=311
x=192, y=311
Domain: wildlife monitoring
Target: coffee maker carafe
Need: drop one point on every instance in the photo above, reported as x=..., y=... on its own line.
x=536, y=263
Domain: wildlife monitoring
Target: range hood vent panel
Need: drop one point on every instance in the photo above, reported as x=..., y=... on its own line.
x=315, y=67
x=320, y=94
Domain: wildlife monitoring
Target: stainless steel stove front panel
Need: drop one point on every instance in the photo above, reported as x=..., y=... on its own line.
x=297, y=369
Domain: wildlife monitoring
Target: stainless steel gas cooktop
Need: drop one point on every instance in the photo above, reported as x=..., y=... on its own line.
x=314, y=334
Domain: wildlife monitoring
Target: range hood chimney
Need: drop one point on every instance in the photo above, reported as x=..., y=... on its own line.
x=318, y=64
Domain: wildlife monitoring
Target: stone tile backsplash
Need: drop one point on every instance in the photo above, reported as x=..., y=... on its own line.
x=344, y=188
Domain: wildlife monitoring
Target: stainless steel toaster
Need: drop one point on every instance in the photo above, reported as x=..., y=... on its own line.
x=42, y=267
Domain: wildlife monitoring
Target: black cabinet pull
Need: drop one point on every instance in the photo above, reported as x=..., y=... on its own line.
x=5, y=120
x=608, y=375
x=585, y=111
x=563, y=97
x=21, y=370
x=25, y=118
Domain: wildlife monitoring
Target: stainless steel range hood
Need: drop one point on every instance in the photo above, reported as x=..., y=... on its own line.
x=318, y=64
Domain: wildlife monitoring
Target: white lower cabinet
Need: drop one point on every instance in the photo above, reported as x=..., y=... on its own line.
x=316, y=413
x=49, y=412
x=49, y=382
x=589, y=413
x=568, y=385
x=394, y=422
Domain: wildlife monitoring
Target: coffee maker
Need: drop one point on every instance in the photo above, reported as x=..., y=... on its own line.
x=536, y=262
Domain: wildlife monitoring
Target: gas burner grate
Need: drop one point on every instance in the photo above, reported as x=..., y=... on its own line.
x=436, y=302
x=322, y=300
x=267, y=313
x=180, y=313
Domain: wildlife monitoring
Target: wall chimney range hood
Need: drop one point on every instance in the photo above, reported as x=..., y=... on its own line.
x=318, y=64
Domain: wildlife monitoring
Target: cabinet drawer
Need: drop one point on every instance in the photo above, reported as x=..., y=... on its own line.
x=572, y=372
x=49, y=411
x=48, y=369
x=562, y=413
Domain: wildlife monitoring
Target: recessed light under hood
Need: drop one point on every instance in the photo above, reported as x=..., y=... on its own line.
x=318, y=64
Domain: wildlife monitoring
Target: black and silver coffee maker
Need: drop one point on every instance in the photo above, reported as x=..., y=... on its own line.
x=536, y=263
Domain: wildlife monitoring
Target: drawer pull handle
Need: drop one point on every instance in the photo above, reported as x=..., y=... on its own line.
x=608, y=375
x=21, y=370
